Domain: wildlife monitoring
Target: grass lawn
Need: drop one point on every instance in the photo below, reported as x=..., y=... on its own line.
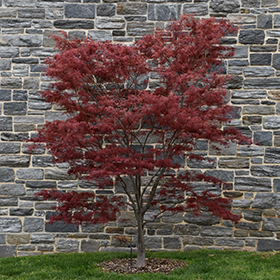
x=204, y=264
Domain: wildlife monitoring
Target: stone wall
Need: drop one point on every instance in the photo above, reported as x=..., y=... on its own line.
x=253, y=172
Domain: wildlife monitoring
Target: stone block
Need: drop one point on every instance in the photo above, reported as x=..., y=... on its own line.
x=30, y=174
x=79, y=11
x=9, y=52
x=241, y=203
x=42, y=238
x=233, y=162
x=58, y=174
x=110, y=22
x=11, y=83
x=5, y=64
x=174, y=243
x=200, y=9
x=100, y=35
x=216, y=231
x=31, y=83
x=226, y=6
x=67, y=245
x=8, y=201
x=106, y=10
x=11, y=189
x=42, y=161
x=10, y=225
x=15, y=108
x=40, y=184
x=249, y=226
x=264, y=21
x=265, y=71
x=7, y=175
x=127, y=8
x=15, y=161
x=265, y=201
x=186, y=229
x=21, y=211
x=73, y=24
x=252, y=184
x=7, y=251
x=152, y=242
x=260, y=58
x=251, y=36
x=251, y=151
x=250, y=3
x=31, y=13
x=268, y=245
x=229, y=242
x=207, y=162
x=253, y=215
x=263, y=138
x=33, y=224
x=5, y=95
x=205, y=219
x=9, y=148
x=140, y=28
x=248, y=94
x=269, y=3
x=18, y=239
x=61, y=227
x=271, y=224
x=90, y=245
x=218, y=149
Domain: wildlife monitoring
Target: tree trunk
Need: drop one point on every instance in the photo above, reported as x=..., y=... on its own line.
x=140, y=242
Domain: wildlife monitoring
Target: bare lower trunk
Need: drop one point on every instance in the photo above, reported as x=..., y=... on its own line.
x=140, y=243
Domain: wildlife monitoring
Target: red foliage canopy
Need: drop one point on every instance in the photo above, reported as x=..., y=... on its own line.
x=121, y=130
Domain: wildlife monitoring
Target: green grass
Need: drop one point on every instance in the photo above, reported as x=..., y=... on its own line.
x=204, y=264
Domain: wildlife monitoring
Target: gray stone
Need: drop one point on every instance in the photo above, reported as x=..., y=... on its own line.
x=268, y=245
x=266, y=170
x=253, y=215
x=31, y=13
x=251, y=3
x=271, y=224
x=74, y=24
x=100, y=35
x=197, y=9
x=228, y=6
x=7, y=251
x=235, y=82
x=33, y=224
x=248, y=94
x=7, y=175
x=110, y=22
x=226, y=176
x=6, y=124
x=238, y=62
x=106, y=10
x=265, y=200
x=252, y=184
x=266, y=83
x=61, y=227
x=9, y=148
x=198, y=240
x=15, y=108
x=11, y=189
x=10, y=225
x=139, y=28
x=250, y=226
x=42, y=161
x=15, y=161
x=58, y=174
x=231, y=242
x=186, y=229
x=251, y=36
x=207, y=162
x=264, y=71
x=240, y=52
x=205, y=219
x=276, y=185
x=5, y=64
x=260, y=58
x=264, y=21
x=30, y=174
x=5, y=95
x=90, y=246
x=42, y=238
x=40, y=184
x=15, y=23
x=263, y=138
x=189, y=248
x=216, y=231
x=271, y=122
x=20, y=3
x=272, y=155
x=21, y=211
x=11, y=83
x=79, y=11
x=241, y=203
x=8, y=201
x=269, y=3
x=152, y=242
x=172, y=243
x=218, y=149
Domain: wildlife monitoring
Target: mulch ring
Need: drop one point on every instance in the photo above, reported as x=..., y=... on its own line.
x=153, y=265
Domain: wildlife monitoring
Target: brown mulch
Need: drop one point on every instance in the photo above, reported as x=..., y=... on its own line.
x=153, y=265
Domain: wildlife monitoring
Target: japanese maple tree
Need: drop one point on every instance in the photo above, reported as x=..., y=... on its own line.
x=121, y=131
